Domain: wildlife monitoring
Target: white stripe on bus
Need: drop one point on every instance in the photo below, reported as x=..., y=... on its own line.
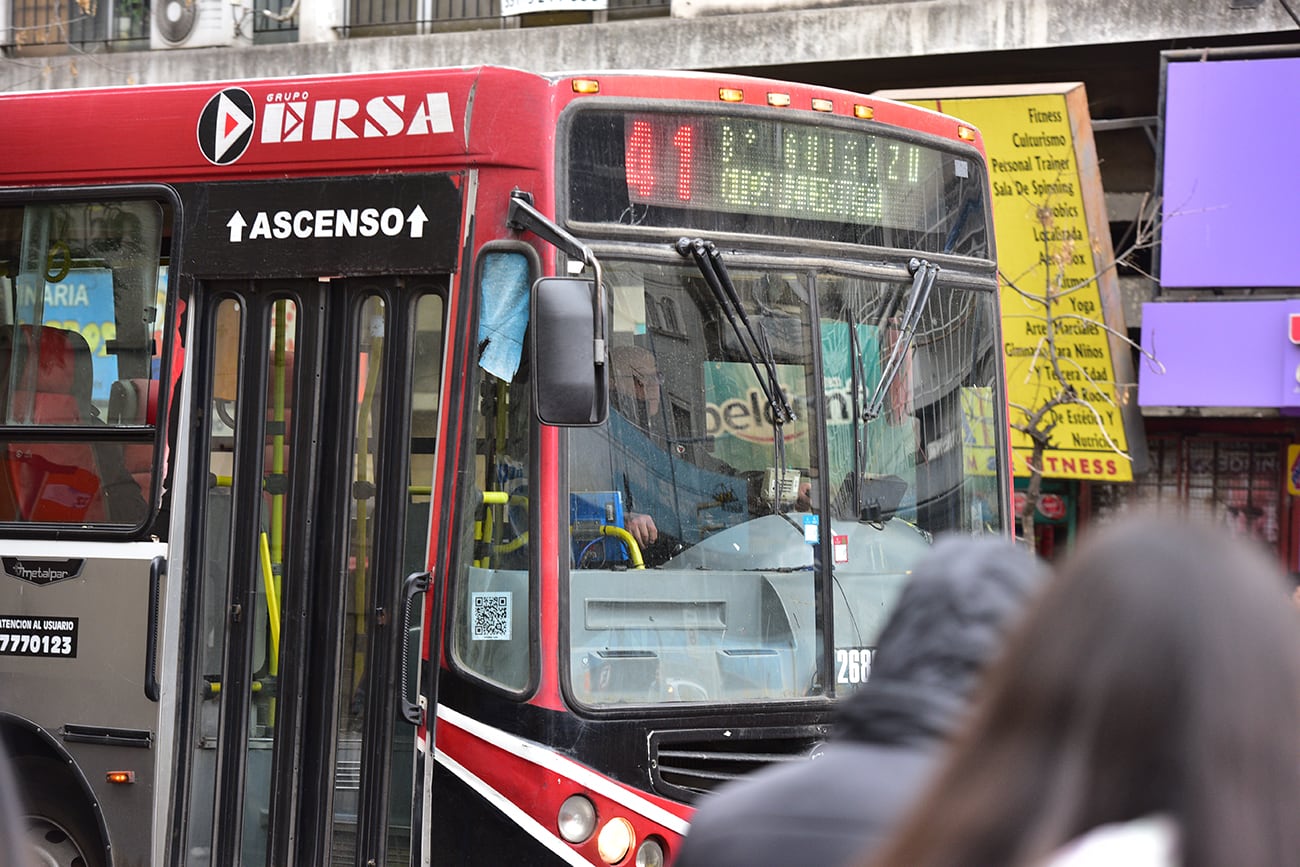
x=520, y=818
x=552, y=761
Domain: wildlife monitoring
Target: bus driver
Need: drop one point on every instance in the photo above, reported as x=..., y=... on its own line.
x=667, y=502
x=635, y=393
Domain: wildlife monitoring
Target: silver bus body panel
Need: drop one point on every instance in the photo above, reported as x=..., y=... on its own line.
x=90, y=700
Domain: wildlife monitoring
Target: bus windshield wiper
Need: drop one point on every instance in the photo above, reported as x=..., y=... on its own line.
x=923, y=276
x=858, y=393
x=709, y=262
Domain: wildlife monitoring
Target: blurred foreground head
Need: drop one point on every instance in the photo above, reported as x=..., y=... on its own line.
x=1159, y=674
x=951, y=619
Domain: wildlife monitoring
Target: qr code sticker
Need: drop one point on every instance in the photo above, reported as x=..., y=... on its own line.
x=490, y=616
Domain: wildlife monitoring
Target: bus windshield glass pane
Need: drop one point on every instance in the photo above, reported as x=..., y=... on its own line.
x=82, y=302
x=716, y=172
x=727, y=511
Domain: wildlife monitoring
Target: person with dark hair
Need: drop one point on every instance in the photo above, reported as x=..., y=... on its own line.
x=1146, y=713
x=949, y=621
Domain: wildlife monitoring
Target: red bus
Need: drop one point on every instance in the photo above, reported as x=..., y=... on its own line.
x=466, y=465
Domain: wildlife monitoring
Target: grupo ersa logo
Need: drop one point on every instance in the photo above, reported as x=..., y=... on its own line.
x=226, y=126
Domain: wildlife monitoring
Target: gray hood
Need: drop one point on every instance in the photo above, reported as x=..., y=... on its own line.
x=950, y=620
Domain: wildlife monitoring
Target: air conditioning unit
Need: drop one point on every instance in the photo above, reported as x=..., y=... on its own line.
x=191, y=24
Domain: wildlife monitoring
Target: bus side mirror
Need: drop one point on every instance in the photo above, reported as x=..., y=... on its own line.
x=570, y=385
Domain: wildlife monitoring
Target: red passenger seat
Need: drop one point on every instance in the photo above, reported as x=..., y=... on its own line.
x=135, y=402
x=50, y=384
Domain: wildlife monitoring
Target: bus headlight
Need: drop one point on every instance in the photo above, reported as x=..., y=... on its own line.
x=577, y=818
x=615, y=840
x=650, y=854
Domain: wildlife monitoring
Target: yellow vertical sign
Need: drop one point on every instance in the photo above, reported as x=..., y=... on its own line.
x=1052, y=241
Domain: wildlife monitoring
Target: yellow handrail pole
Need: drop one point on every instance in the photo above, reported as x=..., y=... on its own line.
x=501, y=429
x=513, y=545
x=484, y=528
x=633, y=549
x=272, y=602
x=214, y=689
x=272, y=614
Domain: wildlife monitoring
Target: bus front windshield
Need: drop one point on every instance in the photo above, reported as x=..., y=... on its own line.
x=713, y=539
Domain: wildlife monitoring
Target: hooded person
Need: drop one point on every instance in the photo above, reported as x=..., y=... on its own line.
x=949, y=622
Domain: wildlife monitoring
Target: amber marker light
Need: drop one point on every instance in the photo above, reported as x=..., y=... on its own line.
x=120, y=777
x=965, y=133
x=863, y=112
x=615, y=840
x=780, y=100
x=822, y=105
x=731, y=94
x=586, y=85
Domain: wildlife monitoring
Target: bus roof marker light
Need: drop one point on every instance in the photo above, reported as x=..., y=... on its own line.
x=779, y=100
x=576, y=820
x=965, y=133
x=615, y=840
x=819, y=104
x=731, y=94
x=586, y=85
x=863, y=112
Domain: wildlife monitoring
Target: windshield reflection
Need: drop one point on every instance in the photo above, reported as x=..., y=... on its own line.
x=698, y=523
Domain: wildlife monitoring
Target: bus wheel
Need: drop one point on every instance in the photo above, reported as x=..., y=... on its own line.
x=60, y=826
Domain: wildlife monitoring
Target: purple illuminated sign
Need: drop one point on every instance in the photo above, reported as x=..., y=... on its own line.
x=1221, y=353
x=1231, y=173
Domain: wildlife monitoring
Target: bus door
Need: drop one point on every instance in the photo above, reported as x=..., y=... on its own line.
x=315, y=412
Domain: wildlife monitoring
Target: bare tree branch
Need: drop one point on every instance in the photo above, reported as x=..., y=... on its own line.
x=1073, y=382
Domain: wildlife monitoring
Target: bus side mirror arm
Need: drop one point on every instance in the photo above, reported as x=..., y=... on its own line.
x=523, y=217
x=569, y=389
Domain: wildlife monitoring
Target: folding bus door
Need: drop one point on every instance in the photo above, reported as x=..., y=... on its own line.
x=314, y=445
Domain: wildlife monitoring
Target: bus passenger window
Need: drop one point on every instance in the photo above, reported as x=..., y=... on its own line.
x=491, y=629
x=213, y=593
x=492, y=624
x=82, y=304
x=426, y=379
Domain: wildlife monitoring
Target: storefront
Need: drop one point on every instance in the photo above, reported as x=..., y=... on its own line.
x=1222, y=414
x=1220, y=390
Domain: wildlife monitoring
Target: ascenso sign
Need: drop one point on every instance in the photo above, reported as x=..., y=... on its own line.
x=327, y=223
x=230, y=120
x=389, y=223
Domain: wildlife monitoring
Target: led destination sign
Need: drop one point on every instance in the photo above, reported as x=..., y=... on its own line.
x=648, y=168
x=759, y=167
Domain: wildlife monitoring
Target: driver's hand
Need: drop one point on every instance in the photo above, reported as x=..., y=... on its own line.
x=803, y=502
x=642, y=527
